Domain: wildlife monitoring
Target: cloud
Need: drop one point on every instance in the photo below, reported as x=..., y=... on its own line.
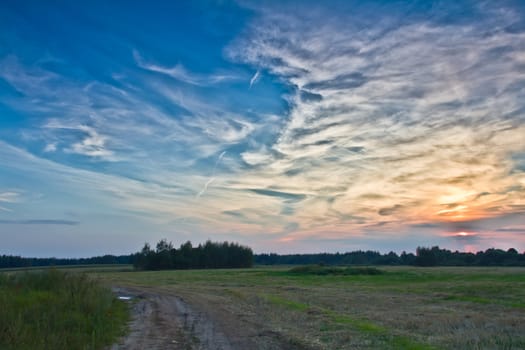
x=24, y=79
x=104, y=122
x=390, y=210
x=516, y=229
x=345, y=81
x=288, y=197
x=153, y=197
x=161, y=142
x=491, y=230
x=388, y=120
x=92, y=145
x=225, y=130
x=9, y=197
x=419, y=111
x=258, y=157
x=50, y=147
x=180, y=73
x=39, y=222
x=307, y=96
x=235, y=213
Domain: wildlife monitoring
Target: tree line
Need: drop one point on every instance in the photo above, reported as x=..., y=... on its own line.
x=433, y=256
x=210, y=255
x=215, y=255
x=11, y=261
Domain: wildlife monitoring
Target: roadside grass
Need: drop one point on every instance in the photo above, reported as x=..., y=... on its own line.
x=51, y=309
x=402, y=308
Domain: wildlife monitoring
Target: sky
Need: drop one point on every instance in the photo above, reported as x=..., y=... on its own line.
x=287, y=126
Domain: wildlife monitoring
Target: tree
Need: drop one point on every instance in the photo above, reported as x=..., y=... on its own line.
x=209, y=255
x=426, y=256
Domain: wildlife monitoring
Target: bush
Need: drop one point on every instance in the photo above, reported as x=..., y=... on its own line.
x=55, y=310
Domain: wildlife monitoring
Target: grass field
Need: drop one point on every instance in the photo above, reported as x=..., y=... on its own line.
x=403, y=308
x=51, y=309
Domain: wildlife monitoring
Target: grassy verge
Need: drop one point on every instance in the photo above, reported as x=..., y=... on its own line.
x=56, y=310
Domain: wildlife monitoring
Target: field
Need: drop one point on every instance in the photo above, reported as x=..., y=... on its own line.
x=402, y=308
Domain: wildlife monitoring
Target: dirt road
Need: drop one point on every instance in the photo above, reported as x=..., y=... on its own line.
x=163, y=320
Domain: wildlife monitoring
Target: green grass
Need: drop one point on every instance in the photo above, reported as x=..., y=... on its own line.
x=365, y=327
x=75, y=268
x=402, y=308
x=334, y=270
x=55, y=310
x=290, y=304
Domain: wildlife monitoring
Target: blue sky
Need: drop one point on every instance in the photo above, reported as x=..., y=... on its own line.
x=286, y=126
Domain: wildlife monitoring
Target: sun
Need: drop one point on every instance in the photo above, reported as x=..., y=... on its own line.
x=461, y=234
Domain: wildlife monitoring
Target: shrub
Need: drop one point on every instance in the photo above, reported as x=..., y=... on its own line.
x=55, y=310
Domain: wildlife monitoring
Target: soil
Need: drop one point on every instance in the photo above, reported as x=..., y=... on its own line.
x=164, y=320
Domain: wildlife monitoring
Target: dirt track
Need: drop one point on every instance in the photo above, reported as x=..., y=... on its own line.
x=163, y=320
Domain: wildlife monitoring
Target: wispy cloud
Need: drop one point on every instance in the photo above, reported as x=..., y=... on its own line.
x=389, y=121
x=420, y=112
x=103, y=121
x=50, y=147
x=9, y=197
x=180, y=73
x=39, y=222
x=93, y=144
x=162, y=143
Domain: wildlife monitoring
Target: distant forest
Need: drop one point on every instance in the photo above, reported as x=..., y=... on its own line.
x=10, y=261
x=224, y=255
x=424, y=256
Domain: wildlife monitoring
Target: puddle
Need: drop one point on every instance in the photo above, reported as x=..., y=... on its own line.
x=122, y=294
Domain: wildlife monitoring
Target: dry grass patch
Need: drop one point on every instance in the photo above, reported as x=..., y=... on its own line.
x=403, y=308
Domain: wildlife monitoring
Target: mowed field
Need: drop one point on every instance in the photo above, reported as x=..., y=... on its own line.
x=403, y=308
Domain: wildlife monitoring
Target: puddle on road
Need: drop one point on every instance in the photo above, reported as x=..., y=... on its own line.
x=122, y=294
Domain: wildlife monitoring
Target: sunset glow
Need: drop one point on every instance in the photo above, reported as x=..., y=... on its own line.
x=351, y=125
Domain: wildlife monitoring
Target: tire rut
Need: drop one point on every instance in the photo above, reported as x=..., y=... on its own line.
x=163, y=320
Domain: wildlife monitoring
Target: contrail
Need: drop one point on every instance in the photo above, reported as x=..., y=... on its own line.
x=217, y=162
x=212, y=178
x=255, y=78
x=205, y=187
